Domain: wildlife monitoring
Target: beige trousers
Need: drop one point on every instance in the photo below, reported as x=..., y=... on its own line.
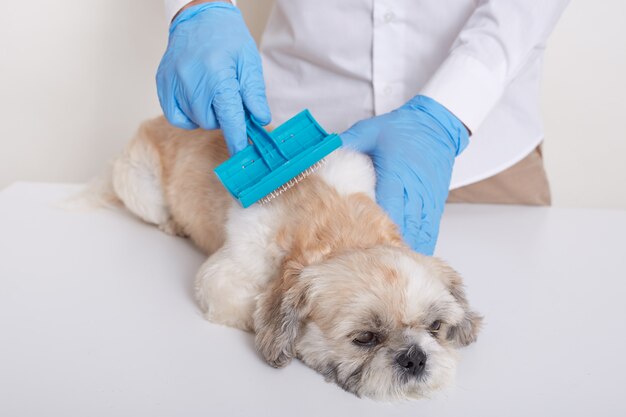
x=523, y=183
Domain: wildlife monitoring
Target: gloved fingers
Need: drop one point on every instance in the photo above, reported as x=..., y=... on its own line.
x=175, y=115
x=425, y=240
x=390, y=195
x=228, y=107
x=169, y=104
x=253, y=87
x=421, y=222
x=194, y=97
x=361, y=136
x=177, y=118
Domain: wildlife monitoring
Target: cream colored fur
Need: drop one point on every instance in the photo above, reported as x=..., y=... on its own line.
x=306, y=272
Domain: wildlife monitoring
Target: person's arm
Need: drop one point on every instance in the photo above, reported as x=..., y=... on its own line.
x=414, y=147
x=488, y=53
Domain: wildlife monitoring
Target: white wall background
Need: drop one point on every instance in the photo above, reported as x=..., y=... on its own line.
x=584, y=96
x=77, y=76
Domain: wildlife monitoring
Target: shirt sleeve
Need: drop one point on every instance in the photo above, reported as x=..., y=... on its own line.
x=173, y=6
x=495, y=42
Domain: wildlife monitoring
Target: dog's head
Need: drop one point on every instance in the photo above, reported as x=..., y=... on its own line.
x=382, y=322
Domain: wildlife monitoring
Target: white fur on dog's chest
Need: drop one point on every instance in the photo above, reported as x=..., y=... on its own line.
x=349, y=172
x=251, y=255
x=251, y=232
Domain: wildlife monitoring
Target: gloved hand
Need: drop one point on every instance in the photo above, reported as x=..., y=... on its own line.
x=210, y=70
x=413, y=150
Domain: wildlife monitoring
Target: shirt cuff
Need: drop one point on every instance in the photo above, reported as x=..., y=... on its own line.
x=467, y=88
x=173, y=6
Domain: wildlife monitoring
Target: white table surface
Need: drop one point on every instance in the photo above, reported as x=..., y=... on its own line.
x=97, y=318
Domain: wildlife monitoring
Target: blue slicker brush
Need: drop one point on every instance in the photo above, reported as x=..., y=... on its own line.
x=277, y=160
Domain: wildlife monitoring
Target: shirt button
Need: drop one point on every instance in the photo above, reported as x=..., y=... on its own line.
x=389, y=17
x=387, y=90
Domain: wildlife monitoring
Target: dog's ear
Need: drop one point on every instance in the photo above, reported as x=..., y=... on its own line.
x=279, y=314
x=467, y=330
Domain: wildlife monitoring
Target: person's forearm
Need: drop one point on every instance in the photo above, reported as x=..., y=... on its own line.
x=496, y=41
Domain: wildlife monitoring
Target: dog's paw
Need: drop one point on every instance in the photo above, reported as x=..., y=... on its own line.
x=172, y=228
x=227, y=318
x=280, y=361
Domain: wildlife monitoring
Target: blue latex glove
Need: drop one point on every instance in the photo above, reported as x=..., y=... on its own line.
x=413, y=150
x=211, y=68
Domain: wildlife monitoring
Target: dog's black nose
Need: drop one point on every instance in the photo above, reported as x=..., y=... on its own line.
x=413, y=360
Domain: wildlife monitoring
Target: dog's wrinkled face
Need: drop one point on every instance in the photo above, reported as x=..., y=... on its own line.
x=382, y=322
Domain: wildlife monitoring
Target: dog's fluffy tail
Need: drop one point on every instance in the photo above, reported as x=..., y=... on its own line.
x=98, y=193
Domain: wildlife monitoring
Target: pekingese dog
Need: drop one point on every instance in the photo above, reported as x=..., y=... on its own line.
x=320, y=273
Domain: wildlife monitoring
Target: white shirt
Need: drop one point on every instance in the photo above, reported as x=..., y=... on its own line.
x=347, y=60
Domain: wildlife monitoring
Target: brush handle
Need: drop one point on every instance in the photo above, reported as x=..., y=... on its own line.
x=266, y=145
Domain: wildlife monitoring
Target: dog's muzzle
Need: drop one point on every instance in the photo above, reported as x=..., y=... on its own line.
x=412, y=360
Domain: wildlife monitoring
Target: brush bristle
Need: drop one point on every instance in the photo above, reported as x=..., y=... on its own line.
x=292, y=182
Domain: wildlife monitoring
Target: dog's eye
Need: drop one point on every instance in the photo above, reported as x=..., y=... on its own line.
x=435, y=326
x=366, y=339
